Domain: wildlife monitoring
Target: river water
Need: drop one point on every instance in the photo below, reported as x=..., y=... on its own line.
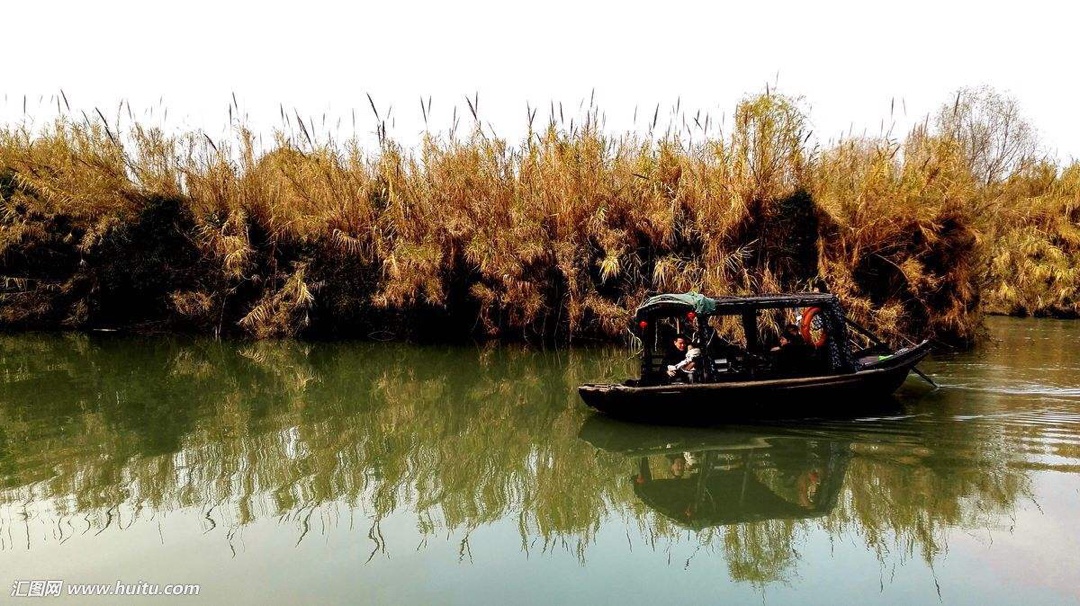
x=283, y=472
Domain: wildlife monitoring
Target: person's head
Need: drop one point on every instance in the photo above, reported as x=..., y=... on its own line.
x=678, y=466
x=790, y=334
x=681, y=341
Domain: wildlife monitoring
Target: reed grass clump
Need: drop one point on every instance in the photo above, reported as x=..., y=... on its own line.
x=899, y=241
x=1034, y=245
x=556, y=238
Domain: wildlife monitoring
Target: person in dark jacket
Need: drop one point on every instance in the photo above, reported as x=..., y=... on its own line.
x=793, y=355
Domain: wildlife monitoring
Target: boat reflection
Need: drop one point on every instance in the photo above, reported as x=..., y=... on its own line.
x=705, y=478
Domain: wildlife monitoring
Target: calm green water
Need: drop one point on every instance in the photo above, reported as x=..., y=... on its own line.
x=373, y=473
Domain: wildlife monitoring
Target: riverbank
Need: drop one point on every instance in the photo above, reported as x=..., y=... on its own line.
x=555, y=239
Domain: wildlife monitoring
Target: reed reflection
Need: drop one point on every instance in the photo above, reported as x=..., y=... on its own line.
x=108, y=429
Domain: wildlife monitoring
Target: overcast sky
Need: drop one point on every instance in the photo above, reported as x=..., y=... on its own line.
x=849, y=60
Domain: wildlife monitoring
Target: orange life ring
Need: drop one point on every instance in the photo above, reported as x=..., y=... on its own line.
x=812, y=327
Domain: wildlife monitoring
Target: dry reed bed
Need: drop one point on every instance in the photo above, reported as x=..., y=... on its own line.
x=553, y=239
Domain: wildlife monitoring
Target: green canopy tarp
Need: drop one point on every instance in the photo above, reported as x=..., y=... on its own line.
x=698, y=302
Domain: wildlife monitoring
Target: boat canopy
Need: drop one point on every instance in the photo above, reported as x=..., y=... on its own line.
x=677, y=304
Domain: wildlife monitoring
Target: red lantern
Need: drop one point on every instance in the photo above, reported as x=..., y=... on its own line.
x=643, y=324
x=690, y=315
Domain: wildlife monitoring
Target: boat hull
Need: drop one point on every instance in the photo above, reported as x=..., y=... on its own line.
x=692, y=404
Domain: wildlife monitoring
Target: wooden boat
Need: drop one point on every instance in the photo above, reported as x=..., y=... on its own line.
x=738, y=373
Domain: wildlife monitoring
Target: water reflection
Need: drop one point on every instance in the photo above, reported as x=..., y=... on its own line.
x=895, y=484
x=728, y=477
x=100, y=434
x=104, y=429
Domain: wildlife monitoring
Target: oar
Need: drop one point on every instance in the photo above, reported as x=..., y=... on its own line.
x=928, y=379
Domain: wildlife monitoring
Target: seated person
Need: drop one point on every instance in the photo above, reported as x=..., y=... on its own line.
x=677, y=350
x=690, y=361
x=793, y=355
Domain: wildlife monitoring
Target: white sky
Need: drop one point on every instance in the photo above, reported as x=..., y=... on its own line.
x=848, y=59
